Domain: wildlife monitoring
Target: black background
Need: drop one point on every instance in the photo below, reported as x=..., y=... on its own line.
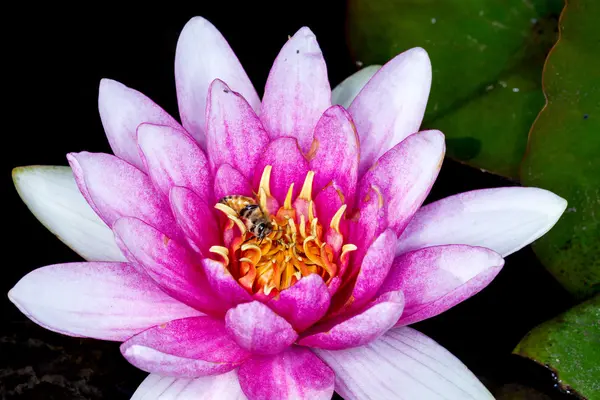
x=56, y=58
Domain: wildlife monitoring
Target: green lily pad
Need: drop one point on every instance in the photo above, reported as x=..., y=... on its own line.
x=487, y=58
x=569, y=345
x=564, y=150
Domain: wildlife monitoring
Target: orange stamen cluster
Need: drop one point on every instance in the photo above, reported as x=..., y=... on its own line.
x=295, y=248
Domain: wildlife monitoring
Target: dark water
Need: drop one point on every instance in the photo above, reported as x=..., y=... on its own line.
x=57, y=58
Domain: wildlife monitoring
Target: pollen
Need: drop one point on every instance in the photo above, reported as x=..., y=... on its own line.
x=294, y=245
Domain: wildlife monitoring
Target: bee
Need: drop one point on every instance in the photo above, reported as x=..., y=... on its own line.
x=256, y=220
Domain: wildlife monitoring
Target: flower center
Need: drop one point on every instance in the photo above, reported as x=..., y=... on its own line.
x=269, y=252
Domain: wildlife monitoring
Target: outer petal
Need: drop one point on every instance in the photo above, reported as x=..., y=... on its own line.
x=437, y=278
x=304, y=303
x=227, y=290
x=391, y=105
x=172, y=158
x=51, y=194
x=503, y=219
x=360, y=329
x=334, y=152
x=117, y=189
x=403, y=363
x=202, y=56
x=344, y=93
x=294, y=374
x=185, y=348
x=404, y=176
x=171, y=265
x=258, y=329
x=196, y=219
x=289, y=166
x=234, y=133
x=297, y=90
x=156, y=387
x=229, y=180
x=108, y=301
x=122, y=109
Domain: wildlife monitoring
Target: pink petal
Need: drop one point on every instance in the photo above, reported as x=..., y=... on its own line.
x=258, y=329
x=297, y=90
x=202, y=56
x=230, y=181
x=502, y=219
x=294, y=374
x=304, y=303
x=185, y=348
x=391, y=105
x=227, y=290
x=373, y=271
x=122, y=109
x=234, y=133
x=117, y=189
x=371, y=222
x=196, y=219
x=403, y=363
x=101, y=300
x=358, y=330
x=289, y=166
x=334, y=153
x=405, y=174
x=327, y=203
x=174, y=268
x=437, y=278
x=224, y=386
x=173, y=159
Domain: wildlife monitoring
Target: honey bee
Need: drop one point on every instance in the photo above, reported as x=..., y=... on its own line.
x=256, y=220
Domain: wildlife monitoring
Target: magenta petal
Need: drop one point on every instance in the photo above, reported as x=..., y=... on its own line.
x=227, y=289
x=122, y=109
x=256, y=328
x=234, y=133
x=304, y=303
x=169, y=263
x=196, y=219
x=115, y=189
x=289, y=166
x=327, y=203
x=230, y=181
x=101, y=300
x=374, y=269
x=296, y=374
x=173, y=158
x=372, y=221
x=185, y=348
x=435, y=279
x=391, y=105
x=297, y=90
x=202, y=55
x=334, y=153
x=404, y=175
x=365, y=327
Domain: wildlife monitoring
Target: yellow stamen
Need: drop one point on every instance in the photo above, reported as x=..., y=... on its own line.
x=311, y=213
x=306, y=192
x=296, y=246
x=346, y=249
x=335, y=221
x=379, y=195
x=222, y=251
x=265, y=180
x=287, y=204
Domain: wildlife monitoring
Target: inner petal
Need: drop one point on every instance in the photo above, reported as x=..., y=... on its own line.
x=274, y=247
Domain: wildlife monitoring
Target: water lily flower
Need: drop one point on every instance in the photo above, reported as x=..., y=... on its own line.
x=272, y=248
